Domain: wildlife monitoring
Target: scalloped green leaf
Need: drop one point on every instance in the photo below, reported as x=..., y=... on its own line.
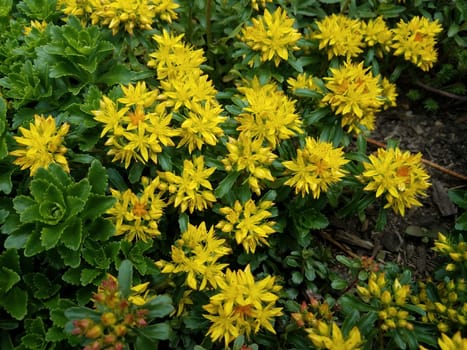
x=15, y=302
x=97, y=205
x=97, y=177
x=33, y=245
x=73, y=233
x=27, y=209
x=160, y=306
x=8, y=278
x=88, y=276
x=159, y=331
x=50, y=235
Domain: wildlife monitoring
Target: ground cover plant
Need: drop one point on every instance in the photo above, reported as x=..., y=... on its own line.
x=168, y=168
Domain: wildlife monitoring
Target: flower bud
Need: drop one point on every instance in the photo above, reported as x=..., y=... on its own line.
x=120, y=330
x=94, y=332
x=108, y=318
x=386, y=297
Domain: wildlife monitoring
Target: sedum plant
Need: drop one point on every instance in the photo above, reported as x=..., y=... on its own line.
x=168, y=168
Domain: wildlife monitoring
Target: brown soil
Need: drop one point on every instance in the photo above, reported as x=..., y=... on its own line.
x=441, y=138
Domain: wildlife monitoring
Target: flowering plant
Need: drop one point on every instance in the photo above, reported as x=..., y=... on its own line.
x=196, y=150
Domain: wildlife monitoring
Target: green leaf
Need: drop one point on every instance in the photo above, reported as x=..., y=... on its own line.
x=125, y=277
x=55, y=334
x=5, y=7
x=97, y=177
x=50, y=235
x=34, y=244
x=70, y=257
x=27, y=208
x=43, y=288
x=160, y=331
x=88, y=276
x=5, y=177
x=15, y=303
x=101, y=229
x=80, y=189
x=97, y=205
x=297, y=277
x=8, y=278
x=160, y=306
x=72, y=234
x=120, y=74
x=78, y=313
x=339, y=284
x=10, y=259
x=458, y=197
x=72, y=276
x=461, y=222
x=226, y=184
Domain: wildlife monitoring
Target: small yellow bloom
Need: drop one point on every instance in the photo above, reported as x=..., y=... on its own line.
x=415, y=40
x=398, y=175
x=41, y=145
x=273, y=35
x=316, y=167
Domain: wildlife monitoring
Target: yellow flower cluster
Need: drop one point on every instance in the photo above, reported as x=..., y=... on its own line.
x=456, y=251
x=356, y=95
x=317, y=166
x=456, y=342
x=269, y=115
x=398, y=175
x=242, y=306
x=197, y=253
x=339, y=35
x=137, y=216
x=121, y=14
x=416, y=41
x=118, y=315
x=191, y=190
x=448, y=312
x=317, y=319
x=41, y=145
x=35, y=25
x=392, y=299
x=250, y=157
x=302, y=81
x=272, y=35
x=249, y=223
x=138, y=130
x=331, y=337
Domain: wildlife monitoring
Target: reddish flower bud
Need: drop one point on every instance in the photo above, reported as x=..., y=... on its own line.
x=94, y=332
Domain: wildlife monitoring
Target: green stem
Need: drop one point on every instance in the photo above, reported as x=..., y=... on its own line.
x=208, y=14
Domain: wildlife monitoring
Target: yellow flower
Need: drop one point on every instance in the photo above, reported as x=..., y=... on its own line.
x=456, y=342
x=41, y=145
x=269, y=115
x=415, y=40
x=242, y=306
x=247, y=155
x=398, y=175
x=192, y=190
x=256, y=3
x=336, y=340
x=78, y=8
x=316, y=167
x=135, y=132
x=302, y=81
x=339, y=35
x=165, y=9
x=174, y=58
x=124, y=14
x=201, y=126
x=137, y=216
x=197, y=254
x=39, y=26
x=273, y=35
x=355, y=94
x=187, y=90
x=249, y=223
x=138, y=95
x=389, y=93
x=139, y=294
x=375, y=32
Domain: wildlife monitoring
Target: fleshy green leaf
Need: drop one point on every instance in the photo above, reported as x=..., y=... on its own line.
x=97, y=205
x=160, y=306
x=226, y=184
x=34, y=244
x=159, y=331
x=125, y=277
